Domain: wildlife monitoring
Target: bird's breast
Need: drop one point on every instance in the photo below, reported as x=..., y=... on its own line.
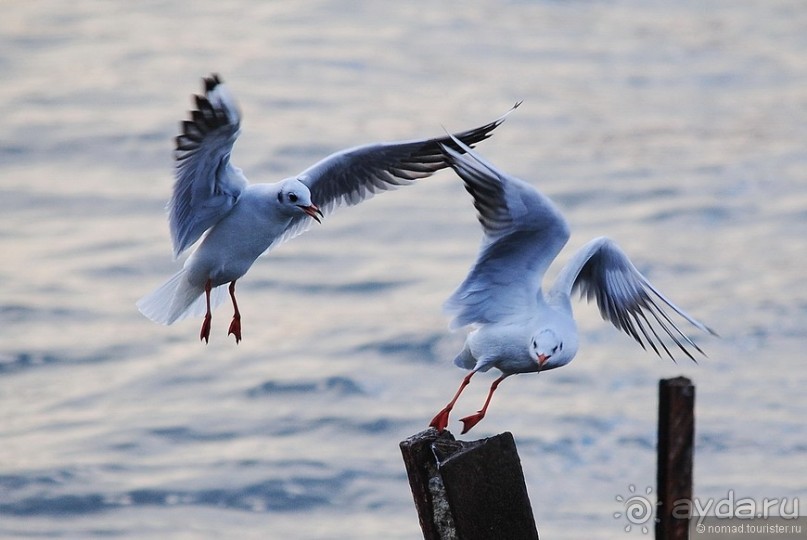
x=233, y=244
x=505, y=348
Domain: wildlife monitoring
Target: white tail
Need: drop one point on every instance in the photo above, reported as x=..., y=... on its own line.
x=177, y=299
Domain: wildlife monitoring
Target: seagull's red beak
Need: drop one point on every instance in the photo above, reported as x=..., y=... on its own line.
x=313, y=211
x=542, y=358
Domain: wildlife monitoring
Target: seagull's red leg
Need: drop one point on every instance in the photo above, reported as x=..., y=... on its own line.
x=205, y=333
x=440, y=420
x=235, y=326
x=470, y=421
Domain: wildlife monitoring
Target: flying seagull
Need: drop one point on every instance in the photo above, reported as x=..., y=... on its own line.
x=240, y=221
x=518, y=326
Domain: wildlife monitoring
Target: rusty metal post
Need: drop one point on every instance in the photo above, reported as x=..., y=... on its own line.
x=676, y=436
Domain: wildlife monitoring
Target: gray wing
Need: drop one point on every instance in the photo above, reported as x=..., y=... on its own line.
x=601, y=270
x=523, y=233
x=351, y=176
x=207, y=185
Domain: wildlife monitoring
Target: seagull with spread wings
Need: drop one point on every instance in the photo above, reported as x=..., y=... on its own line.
x=519, y=327
x=240, y=221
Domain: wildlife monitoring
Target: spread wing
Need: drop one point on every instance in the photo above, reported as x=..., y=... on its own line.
x=523, y=233
x=601, y=270
x=351, y=176
x=207, y=185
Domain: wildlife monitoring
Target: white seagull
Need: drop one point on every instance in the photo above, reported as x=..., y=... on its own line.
x=243, y=220
x=519, y=327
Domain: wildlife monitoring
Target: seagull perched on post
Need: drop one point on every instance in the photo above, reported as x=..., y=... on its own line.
x=519, y=327
x=241, y=221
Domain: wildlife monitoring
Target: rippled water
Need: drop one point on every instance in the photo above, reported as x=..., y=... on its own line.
x=677, y=129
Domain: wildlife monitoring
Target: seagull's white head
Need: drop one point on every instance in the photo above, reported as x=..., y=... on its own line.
x=549, y=350
x=296, y=197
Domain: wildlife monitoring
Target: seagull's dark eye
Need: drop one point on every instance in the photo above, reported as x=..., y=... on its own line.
x=293, y=197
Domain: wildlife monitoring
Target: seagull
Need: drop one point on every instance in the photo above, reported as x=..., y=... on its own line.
x=240, y=221
x=517, y=326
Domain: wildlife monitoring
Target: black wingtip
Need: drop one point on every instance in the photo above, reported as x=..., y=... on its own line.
x=211, y=82
x=472, y=137
x=205, y=118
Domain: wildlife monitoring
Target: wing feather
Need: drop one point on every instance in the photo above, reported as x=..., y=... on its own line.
x=523, y=233
x=206, y=184
x=351, y=176
x=600, y=270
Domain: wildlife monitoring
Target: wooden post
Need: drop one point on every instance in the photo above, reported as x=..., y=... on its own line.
x=676, y=435
x=468, y=490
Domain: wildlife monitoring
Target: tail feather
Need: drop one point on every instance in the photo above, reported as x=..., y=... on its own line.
x=177, y=299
